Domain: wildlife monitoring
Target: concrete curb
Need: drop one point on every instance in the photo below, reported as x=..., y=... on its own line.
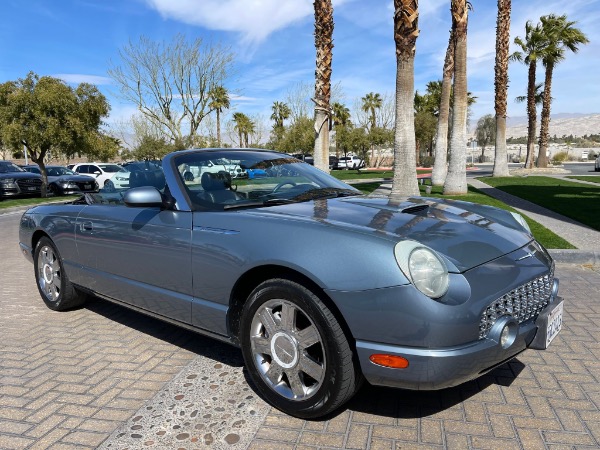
x=580, y=257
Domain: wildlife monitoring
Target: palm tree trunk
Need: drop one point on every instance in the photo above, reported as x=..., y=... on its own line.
x=218, y=128
x=440, y=165
x=531, y=115
x=456, y=181
x=501, y=86
x=404, y=181
x=545, y=124
x=324, y=46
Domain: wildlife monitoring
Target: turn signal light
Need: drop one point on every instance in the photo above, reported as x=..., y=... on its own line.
x=392, y=361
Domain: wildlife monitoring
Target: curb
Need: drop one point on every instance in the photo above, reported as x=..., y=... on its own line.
x=580, y=257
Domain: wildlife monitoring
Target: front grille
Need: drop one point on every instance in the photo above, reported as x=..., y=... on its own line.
x=30, y=184
x=522, y=303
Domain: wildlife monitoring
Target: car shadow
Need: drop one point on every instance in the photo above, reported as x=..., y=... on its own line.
x=164, y=331
x=408, y=404
x=376, y=400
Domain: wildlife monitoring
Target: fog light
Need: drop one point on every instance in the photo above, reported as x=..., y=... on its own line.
x=391, y=361
x=508, y=335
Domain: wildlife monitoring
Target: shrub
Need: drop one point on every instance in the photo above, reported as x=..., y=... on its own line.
x=560, y=157
x=427, y=161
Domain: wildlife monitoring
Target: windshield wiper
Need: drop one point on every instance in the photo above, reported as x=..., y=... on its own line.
x=268, y=202
x=326, y=192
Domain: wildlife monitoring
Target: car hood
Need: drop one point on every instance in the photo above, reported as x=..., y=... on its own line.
x=71, y=179
x=467, y=234
x=20, y=175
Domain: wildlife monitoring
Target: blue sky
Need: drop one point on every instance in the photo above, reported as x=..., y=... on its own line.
x=273, y=40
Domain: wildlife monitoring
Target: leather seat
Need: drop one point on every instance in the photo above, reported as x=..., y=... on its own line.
x=217, y=187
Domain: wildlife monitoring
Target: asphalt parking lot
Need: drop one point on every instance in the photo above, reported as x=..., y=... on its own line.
x=103, y=376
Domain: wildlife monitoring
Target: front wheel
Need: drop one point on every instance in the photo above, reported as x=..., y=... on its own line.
x=53, y=284
x=295, y=350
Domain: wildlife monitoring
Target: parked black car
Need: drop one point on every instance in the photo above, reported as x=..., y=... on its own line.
x=15, y=181
x=63, y=181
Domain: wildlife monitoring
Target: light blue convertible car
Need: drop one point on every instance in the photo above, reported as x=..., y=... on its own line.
x=320, y=286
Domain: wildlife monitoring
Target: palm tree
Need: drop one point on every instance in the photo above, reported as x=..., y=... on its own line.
x=341, y=119
x=562, y=36
x=440, y=167
x=370, y=103
x=501, y=86
x=406, y=30
x=281, y=112
x=532, y=48
x=324, y=46
x=456, y=180
x=219, y=100
x=241, y=126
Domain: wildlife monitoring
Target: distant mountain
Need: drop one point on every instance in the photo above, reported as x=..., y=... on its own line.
x=560, y=125
x=563, y=124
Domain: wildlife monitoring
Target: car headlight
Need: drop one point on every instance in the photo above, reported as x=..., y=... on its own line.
x=423, y=267
x=519, y=218
x=7, y=181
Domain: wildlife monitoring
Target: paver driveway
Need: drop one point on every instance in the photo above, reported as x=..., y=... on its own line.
x=103, y=375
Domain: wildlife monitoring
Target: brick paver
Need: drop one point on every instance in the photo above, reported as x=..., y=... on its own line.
x=71, y=380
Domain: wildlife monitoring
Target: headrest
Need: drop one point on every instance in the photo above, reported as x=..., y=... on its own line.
x=215, y=181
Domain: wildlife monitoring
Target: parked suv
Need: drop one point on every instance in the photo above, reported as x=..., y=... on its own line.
x=15, y=181
x=350, y=162
x=107, y=175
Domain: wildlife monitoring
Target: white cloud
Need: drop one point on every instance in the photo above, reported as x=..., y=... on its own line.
x=254, y=19
x=77, y=78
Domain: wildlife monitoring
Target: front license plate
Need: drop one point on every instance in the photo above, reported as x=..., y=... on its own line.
x=30, y=188
x=554, y=323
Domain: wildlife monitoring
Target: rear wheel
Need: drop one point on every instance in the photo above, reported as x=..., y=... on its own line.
x=295, y=350
x=53, y=284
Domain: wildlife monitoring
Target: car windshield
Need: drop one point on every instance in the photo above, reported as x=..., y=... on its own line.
x=111, y=168
x=8, y=167
x=225, y=180
x=59, y=171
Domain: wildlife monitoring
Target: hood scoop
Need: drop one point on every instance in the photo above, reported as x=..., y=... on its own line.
x=416, y=210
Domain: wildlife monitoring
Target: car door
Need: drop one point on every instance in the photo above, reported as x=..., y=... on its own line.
x=140, y=256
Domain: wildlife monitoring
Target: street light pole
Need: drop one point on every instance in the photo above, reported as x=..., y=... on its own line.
x=25, y=151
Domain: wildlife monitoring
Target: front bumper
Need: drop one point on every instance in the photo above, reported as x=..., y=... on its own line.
x=432, y=369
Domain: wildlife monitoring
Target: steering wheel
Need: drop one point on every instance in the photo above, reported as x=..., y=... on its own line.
x=284, y=183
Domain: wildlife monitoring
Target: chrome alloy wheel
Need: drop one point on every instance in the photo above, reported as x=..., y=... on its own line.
x=287, y=349
x=49, y=273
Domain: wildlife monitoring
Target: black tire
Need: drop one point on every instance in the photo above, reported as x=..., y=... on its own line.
x=314, y=378
x=52, y=281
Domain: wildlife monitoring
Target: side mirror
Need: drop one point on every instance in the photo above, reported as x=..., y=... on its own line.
x=143, y=197
x=97, y=173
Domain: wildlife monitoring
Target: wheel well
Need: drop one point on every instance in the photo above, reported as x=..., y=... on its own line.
x=251, y=279
x=37, y=235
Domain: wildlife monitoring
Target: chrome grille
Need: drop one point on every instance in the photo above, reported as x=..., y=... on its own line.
x=30, y=184
x=522, y=303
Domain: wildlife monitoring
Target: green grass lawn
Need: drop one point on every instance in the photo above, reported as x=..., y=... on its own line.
x=578, y=201
x=542, y=234
x=592, y=179
x=366, y=174
x=32, y=201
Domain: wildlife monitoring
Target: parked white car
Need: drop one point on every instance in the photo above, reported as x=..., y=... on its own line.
x=350, y=162
x=107, y=175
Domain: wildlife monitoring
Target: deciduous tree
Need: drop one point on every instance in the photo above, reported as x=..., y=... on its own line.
x=44, y=113
x=170, y=82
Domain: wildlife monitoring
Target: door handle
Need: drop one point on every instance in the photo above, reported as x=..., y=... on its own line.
x=86, y=226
